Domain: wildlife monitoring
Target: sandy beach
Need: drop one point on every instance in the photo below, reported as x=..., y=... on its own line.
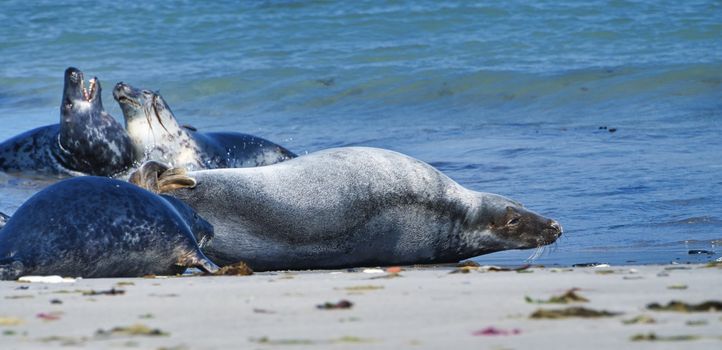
x=418, y=308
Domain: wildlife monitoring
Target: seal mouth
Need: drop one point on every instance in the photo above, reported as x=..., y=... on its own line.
x=121, y=94
x=127, y=101
x=91, y=91
x=75, y=87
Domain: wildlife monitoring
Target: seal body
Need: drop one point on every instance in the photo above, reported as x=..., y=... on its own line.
x=100, y=227
x=86, y=141
x=156, y=135
x=354, y=206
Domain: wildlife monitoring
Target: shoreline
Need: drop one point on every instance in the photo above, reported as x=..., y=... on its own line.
x=418, y=307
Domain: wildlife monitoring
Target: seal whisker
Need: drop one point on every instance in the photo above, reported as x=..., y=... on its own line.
x=535, y=254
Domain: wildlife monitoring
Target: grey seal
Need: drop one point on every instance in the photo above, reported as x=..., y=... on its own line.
x=348, y=207
x=100, y=227
x=156, y=135
x=86, y=141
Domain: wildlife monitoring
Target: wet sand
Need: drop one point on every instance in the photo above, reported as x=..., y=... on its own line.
x=420, y=308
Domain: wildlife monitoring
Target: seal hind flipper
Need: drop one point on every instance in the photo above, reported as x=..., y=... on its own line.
x=174, y=182
x=11, y=270
x=158, y=177
x=174, y=178
x=3, y=219
x=199, y=261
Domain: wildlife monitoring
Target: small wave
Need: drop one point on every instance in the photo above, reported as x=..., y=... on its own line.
x=695, y=220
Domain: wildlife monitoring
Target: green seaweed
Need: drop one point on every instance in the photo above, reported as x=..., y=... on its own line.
x=679, y=306
x=468, y=263
x=132, y=330
x=20, y=296
x=291, y=341
x=65, y=341
x=696, y=322
x=111, y=291
x=570, y=296
x=569, y=312
x=363, y=288
x=238, y=269
x=677, y=286
x=655, y=337
x=642, y=319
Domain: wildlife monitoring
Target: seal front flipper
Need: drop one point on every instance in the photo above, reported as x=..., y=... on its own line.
x=3, y=220
x=158, y=177
x=11, y=270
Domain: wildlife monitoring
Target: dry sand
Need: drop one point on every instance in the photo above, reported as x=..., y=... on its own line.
x=422, y=308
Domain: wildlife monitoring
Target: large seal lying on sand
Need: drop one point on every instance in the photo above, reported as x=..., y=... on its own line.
x=156, y=135
x=87, y=140
x=100, y=227
x=348, y=207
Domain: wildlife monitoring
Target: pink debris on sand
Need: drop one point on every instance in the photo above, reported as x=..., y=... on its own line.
x=490, y=331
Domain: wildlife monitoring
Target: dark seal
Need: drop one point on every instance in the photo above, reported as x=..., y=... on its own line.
x=156, y=135
x=348, y=207
x=100, y=227
x=86, y=141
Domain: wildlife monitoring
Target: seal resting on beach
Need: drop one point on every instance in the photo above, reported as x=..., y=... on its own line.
x=86, y=141
x=156, y=135
x=99, y=227
x=348, y=207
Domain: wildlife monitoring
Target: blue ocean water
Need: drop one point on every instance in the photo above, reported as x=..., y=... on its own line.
x=513, y=98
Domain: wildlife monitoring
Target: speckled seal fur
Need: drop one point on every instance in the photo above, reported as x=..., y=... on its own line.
x=156, y=135
x=99, y=227
x=3, y=220
x=86, y=141
x=349, y=207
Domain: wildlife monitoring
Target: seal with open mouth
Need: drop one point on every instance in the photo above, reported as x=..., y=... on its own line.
x=100, y=227
x=347, y=207
x=156, y=135
x=86, y=141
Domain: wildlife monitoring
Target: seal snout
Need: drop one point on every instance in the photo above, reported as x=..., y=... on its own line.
x=75, y=86
x=125, y=94
x=556, y=227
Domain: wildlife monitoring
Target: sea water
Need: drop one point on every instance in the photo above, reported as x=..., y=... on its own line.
x=603, y=115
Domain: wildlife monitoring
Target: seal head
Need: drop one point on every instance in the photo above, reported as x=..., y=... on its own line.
x=153, y=129
x=86, y=141
x=500, y=223
x=90, y=140
x=157, y=136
